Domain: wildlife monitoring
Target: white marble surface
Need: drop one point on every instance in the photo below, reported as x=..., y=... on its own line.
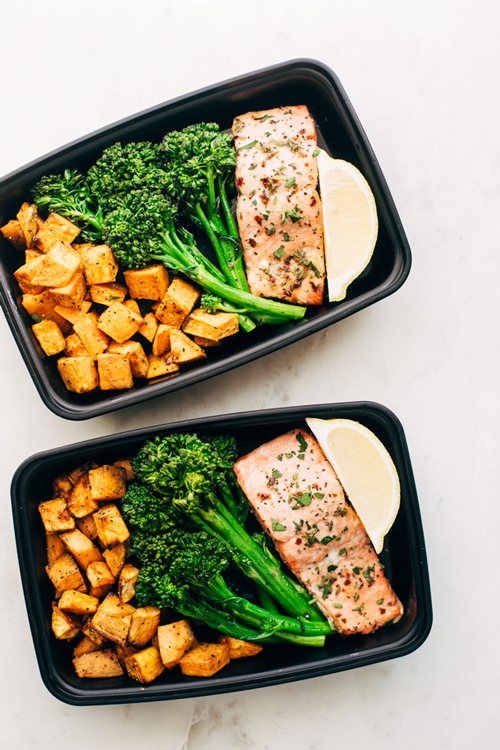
x=424, y=82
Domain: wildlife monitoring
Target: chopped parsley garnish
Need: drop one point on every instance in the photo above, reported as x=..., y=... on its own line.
x=291, y=182
x=264, y=118
x=316, y=152
x=301, y=456
x=337, y=605
x=277, y=526
x=279, y=253
x=302, y=498
x=276, y=474
x=302, y=442
x=271, y=229
x=356, y=597
x=380, y=601
x=252, y=166
x=254, y=202
x=280, y=457
x=319, y=495
x=343, y=551
x=247, y=145
x=36, y=318
x=332, y=567
x=286, y=236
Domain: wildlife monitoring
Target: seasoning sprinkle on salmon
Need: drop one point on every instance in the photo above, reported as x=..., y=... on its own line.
x=299, y=501
x=279, y=209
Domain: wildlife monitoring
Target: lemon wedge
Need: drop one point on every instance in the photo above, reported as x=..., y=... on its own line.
x=350, y=222
x=365, y=470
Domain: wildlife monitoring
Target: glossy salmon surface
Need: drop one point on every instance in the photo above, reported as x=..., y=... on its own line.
x=279, y=209
x=300, y=503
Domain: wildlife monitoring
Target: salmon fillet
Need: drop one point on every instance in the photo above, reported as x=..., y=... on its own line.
x=279, y=209
x=300, y=503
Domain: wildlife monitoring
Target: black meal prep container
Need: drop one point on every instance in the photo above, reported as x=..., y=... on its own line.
x=404, y=558
x=339, y=132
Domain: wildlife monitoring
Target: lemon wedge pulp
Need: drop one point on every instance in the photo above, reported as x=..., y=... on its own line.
x=365, y=470
x=350, y=222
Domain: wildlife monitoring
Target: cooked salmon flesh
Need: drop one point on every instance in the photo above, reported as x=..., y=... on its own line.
x=279, y=209
x=299, y=501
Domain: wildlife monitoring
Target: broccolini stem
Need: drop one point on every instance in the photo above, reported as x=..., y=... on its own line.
x=220, y=250
x=239, y=268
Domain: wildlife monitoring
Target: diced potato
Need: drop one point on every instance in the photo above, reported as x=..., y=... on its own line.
x=174, y=640
x=62, y=486
x=80, y=501
x=74, y=346
x=239, y=649
x=85, y=646
x=111, y=528
x=73, y=314
x=214, y=326
x=119, y=322
x=115, y=371
x=115, y=558
x=13, y=232
x=55, y=516
x=107, y=482
x=100, y=578
x=49, y=336
x=147, y=283
x=55, y=547
x=145, y=621
x=205, y=659
x=177, y=303
x=87, y=526
x=126, y=464
x=72, y=294
x=182, y=349
x=103, y=663
x=112, y=619
x=27, y=219
x=81, y=547
x=64, y=625
x=137, y=357
x=54, y=228
x=57, y=267
x=78, y=603
x=149, y=326
x=94, y=339
x=106, y=294
x=65, y=574
x=22, y=275
x=144, y=666
x=127, y=581
x=161, y=343
x=161, y=365
x=99, y=264
x=79, y=374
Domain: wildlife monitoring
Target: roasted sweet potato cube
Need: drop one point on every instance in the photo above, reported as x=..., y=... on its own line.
x=80, y=501
x=81, y=547
x=214, y=326
x=132, y=305
x=71, y=294
x=62, y=486
x=174, y=640
x=147, y=283
x=57, y=267
x=65, y=574
x=89, y=632
x=149, y=326
x=79, y=374
x=100, y=578
x=112, y=619
x=137, y=357
x=74, y=346
x=27, y=218
x=87, y=526
x=239, y=649
x=13, y=232
x=22, y=275
x=126, y=465
x=145, y=621
x=55, y=547
x=106, y=294
x=144, y=666
x=99, y=264
x=78, y=603
x=55, y=227
x=203, y=342
x=55, y=516
x=94, y=339
x=161, y=342
x=119, y=322
x=182, y=349
x=123, y=652
x=75, y=474
x=86, y=646
x=107, y=482
x=64, y=625
x=115, y=558
x=161, y=365
x=103, y=663
x=73, y=314
x=49, y=336
x=115, y=371
x=31, y=254
x=205, y=659
x=111, y=528
x=42, y=304
x=127, y=581
x=177, y=303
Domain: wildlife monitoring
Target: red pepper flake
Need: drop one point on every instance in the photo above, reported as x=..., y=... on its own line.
x=258, y=219
x=240, y=181
x=264, y=199
x=252, y=242
x=298, y=541
x=313, y=202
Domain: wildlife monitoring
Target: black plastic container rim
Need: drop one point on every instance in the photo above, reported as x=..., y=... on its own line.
x=399, y=274
x=204, y=687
